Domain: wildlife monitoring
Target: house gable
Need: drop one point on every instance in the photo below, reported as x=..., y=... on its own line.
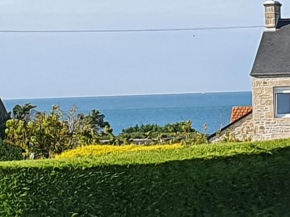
x=240, y=129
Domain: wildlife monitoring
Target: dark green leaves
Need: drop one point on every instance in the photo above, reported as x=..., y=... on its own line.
x=226, y=181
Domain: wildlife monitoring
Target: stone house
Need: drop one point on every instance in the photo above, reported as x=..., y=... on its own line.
x=270, y=116
x=3, y=113
x=241, y=127
x=4, y=116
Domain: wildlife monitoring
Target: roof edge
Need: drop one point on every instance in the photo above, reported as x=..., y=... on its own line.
x=269, y=75
x=229, y=125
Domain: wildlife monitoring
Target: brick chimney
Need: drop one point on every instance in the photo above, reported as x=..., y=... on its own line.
x=272, y=14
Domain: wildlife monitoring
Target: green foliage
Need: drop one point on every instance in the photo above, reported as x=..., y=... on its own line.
x=244, y=179
x=9, y=153
x=178, y=127
x=168, y=134
x=229, y=137
x=97, y=120
x=43, y=135
x=49, y=134
x=23, y=112
x=3, y=120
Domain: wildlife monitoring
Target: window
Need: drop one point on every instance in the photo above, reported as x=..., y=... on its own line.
x=282, y=102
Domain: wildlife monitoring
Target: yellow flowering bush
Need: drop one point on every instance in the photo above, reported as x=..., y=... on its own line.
x=100, y=150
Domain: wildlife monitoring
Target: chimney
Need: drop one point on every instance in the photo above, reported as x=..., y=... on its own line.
x=272, y=14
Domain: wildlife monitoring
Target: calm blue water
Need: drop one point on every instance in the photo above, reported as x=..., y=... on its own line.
x=125, y=111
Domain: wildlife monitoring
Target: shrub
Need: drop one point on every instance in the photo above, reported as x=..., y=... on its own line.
x=43, y=135
x=99, y=150
x=154, y=128
x=180, y=132
x=9, y=153
x=246, y=179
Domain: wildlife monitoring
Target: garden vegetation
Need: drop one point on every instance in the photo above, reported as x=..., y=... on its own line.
x=44, y=135
x=239, y=179
x=100, y=150
x=184, y=179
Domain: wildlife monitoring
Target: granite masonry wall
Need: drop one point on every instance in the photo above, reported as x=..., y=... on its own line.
x=267, y=126
x=242, y=130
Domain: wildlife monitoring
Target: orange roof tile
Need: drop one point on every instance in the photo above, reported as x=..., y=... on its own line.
x=240, y=111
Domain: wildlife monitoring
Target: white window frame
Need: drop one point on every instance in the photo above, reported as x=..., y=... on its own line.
x=278, y=90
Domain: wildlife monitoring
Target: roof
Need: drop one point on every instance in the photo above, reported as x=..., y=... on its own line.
x=242, y=116
x=273, y=58
x=282, y=23
x=240, y=111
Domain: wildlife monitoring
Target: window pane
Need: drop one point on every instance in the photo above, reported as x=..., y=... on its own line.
x=283, y=103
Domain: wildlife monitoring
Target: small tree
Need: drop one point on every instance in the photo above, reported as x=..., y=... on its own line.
x=23, y=112
x=44, y=135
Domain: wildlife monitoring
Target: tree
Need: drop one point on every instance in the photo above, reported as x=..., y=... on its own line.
x=23, y=112
x=45, y=135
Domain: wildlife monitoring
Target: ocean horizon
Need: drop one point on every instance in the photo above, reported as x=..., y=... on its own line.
x=212, y=108
x=124, y=95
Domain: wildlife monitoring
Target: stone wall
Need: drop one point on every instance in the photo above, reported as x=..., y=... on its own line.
x=242, y=130
x=268, y=127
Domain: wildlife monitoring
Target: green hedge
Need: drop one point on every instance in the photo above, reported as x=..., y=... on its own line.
x=253, y=180
x=9, y=152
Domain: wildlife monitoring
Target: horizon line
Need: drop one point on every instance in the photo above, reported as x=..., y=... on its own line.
x=127, y=95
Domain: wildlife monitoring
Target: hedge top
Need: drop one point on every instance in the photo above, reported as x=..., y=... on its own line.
x=155, y=157
x=101, y=150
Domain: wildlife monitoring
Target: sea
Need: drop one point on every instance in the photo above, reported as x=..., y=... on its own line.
x=213, y=109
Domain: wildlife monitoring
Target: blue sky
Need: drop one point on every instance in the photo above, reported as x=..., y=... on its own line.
x=36, y=65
